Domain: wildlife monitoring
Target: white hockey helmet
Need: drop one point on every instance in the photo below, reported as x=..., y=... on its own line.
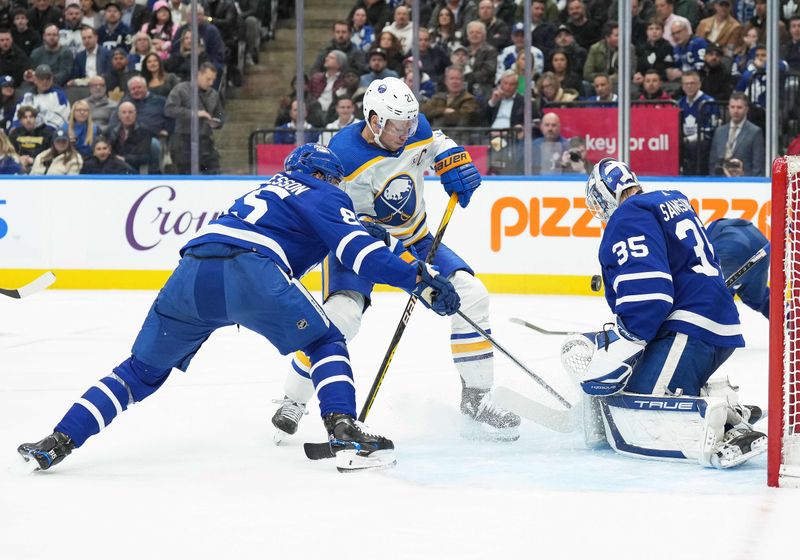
x=607, y=181
x=391, y=100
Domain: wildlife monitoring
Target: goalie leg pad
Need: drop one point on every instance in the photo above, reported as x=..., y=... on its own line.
x=665, y=428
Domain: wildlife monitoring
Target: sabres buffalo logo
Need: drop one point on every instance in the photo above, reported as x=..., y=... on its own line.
x=395, y=204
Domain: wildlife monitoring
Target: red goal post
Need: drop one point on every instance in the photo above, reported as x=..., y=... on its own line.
x=783, y=461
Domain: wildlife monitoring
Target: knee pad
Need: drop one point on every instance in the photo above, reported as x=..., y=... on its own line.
x=474, y=300
x=142, y=380
x=345, y=310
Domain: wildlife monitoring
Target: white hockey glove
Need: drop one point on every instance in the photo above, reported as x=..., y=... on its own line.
x=616, y=351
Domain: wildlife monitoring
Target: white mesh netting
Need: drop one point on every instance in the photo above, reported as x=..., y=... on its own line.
x=791, y=329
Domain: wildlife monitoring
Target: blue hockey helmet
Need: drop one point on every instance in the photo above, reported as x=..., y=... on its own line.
x=607, y=181
x=315, y=158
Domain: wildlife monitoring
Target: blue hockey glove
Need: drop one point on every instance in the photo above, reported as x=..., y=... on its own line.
x=435, y=291
x=615, y=354
x=454, y=167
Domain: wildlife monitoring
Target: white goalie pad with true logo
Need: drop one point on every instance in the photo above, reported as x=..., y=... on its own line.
x=664, y=428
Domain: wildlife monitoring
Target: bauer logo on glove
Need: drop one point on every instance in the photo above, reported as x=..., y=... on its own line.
x=458, y=174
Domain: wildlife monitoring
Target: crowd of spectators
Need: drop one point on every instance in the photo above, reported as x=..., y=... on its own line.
x=695, y=54
x=101, y=86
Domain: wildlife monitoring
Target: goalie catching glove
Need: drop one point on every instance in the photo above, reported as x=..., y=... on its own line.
x=435, y=291
x=615, y=353
x=458, y=174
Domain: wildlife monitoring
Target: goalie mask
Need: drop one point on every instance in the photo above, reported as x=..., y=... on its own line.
x=397, y=110
x=608, y=180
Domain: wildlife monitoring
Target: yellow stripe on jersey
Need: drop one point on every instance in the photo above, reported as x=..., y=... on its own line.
x=408, y=257
x=423, y=232
x=325, y=275
x=451, y=162
x=418, y=144
x=363, y=167
x=470, y=347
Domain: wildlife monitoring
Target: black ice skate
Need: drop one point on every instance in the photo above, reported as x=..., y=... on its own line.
x=494, y=423
x=356, y=450
x=287, y=418
x=48, y=452
x=739, y=445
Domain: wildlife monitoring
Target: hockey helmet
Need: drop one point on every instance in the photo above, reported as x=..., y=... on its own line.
x=607, y=181
x=313, y=158
x=391, y=100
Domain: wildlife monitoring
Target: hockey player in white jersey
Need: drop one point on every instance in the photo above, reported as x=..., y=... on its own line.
x=384, y=158
x=647, y=373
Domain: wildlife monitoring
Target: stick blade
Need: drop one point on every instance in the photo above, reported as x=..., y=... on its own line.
x=551, y=418
x=43, y=282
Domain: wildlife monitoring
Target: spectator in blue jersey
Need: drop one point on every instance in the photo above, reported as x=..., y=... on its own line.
x=738, y=146
x=699, y=117
x=113, y=33
x=689, y=52
x=744, y=58
x=242, y=269
x=507, y=57
x=81, y=129
x=754, y=80
x=675, y=324
x=362, y=34
x=735, y=241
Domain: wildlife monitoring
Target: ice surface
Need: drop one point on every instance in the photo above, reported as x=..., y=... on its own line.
x=192, y=471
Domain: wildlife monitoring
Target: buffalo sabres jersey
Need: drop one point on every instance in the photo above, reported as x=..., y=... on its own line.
x=661, y=273
x=296, y=219
x=389, y=186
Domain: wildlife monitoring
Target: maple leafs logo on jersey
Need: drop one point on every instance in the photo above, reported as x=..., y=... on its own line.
x=397, y=194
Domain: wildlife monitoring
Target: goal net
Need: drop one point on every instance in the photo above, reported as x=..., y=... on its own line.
x=784, y=392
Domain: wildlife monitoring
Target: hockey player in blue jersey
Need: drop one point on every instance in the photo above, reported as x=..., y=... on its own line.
x=243, y=268
x=647, y=372
x=385, y=157
x=735, y=241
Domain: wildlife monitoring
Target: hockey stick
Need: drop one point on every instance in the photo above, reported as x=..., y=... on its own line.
x=522, y=366
x=556, y=420
x=316, y=451
x=757, y=257
x=41, y=283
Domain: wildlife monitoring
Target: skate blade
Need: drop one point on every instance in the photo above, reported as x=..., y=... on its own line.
x=279, y=436
x=478, y=431
x=26, y=465
x=348, y=461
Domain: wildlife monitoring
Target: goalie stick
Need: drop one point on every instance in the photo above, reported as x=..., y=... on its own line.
x=41, y=283
x=757, y=257
x=315, y=451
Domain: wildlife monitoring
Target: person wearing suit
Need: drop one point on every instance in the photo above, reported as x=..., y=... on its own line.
x=738, y=146
x=94, y=60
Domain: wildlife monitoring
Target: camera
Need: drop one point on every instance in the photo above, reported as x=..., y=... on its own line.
x=575, y=155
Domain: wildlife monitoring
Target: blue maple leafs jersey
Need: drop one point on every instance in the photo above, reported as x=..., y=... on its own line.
x=296, y=219
x=661, y=273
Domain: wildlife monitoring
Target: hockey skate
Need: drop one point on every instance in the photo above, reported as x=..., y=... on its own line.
x=354, y=449
x=47, y=452
x=287, y=418
x=490, y=421
x=738, y=446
